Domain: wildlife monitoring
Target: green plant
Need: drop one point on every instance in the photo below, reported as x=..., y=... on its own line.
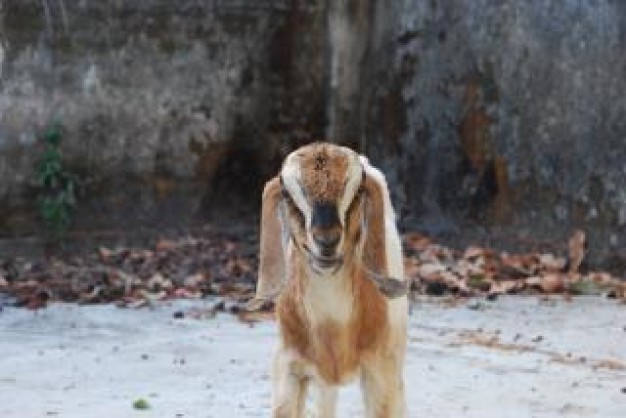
x=141, y=404
x=58, y=186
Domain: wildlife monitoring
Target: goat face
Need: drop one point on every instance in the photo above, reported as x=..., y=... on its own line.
x=321, y=185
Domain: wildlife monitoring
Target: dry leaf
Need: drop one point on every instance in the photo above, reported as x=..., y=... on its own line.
x=153, y=296
x=183, y=293
x=600, y=278
x=526, y=264
x=610, y=364
x=437, y=254
x=137, y=303
x=164, y=245
x=194, y=280
x=417, y=242
x=431, y=271
x=576, y=246
x=411, y=267
x=91, y=296
x=553, y=282
x=251, y=317
x=467, y=268
x=237, y=267
x=552, y=263
x=505, y=286
x=104, y=253
x=157, y=282
x=533, y=281
x=258, y=304
x=474, y=252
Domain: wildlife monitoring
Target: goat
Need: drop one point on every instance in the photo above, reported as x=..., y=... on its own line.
x=328, y=246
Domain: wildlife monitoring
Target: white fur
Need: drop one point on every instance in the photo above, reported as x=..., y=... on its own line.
x=328, y=297
x=292, y=176
x=393, y=246
x=354, y=177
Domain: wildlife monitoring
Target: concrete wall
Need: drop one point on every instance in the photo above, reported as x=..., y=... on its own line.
x=499, y=116
x=503, y=115
x=165, y=106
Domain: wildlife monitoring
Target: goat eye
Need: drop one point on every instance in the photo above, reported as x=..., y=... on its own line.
x=294, y=210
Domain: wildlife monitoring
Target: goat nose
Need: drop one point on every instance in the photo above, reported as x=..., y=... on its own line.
x=327, y=241
x=325, y=227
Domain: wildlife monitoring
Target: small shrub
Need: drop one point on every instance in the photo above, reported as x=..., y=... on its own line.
x=57, y=197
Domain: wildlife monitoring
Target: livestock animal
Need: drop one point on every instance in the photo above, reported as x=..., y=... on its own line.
x=329, y=248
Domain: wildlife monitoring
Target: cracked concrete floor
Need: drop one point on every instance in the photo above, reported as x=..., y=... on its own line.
x=515, y=357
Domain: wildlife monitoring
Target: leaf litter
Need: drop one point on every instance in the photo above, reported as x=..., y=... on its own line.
x=479, y=271
x=225, y=267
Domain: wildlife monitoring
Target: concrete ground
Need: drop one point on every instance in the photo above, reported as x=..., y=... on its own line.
x=515, y=357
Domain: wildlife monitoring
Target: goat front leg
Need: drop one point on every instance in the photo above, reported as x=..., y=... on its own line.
x=382, y=384
x=290, y=386
x=326, y=400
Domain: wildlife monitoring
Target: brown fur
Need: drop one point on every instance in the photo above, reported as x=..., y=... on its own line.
x=272, y=255
x=335, y=350
x=373, y=252
x=323, y=172
x=330, y=337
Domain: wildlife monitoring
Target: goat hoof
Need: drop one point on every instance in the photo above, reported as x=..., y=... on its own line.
x=258, y=304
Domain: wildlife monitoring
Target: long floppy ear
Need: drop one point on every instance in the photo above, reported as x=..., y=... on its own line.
x=272, y=254
x=374, y=254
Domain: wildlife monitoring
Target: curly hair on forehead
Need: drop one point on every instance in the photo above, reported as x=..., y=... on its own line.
x=324, y=175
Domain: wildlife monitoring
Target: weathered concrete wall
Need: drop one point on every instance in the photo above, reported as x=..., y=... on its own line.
x=501, y=113
x=165, y=106
x=504, y=115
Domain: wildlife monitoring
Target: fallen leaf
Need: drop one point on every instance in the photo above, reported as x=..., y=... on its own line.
x=39, y=299
x=504, y=286
x=431, y=271
x=105, y=254
x=553, y=282
x=550, y=262
x=576, y=246
x=153, y=296
x=600, y=277
x=470, y=268
x=473, y=252
x=417, y=241
x=158, y=282
x=609, y=364
x=251, y=317
x=437, y=254
x=533, y=281
x=411, y=267
x=164, y=245
x=526, y=264
x=137, y=303
x=183, y=293
x=91, y=296
x=258, y=304
x=194, y=280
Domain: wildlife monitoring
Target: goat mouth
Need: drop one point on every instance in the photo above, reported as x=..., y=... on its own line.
x=321, y=262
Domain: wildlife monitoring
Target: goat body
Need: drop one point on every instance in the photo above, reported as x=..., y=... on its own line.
x=333, y=212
